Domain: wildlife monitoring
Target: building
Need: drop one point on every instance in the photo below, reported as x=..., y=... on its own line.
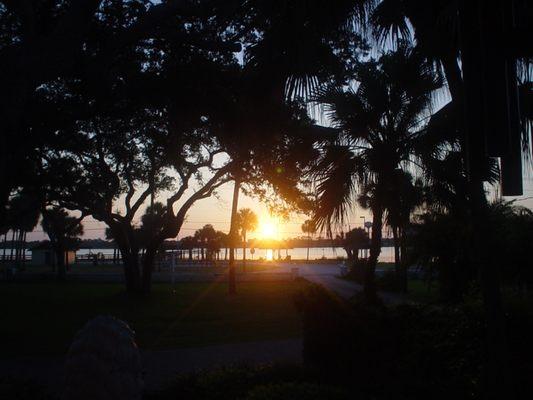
x=43, y=254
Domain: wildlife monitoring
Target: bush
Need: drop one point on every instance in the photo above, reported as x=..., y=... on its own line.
x=390, y=281
x=297, y=391
x=22, y=390
x=404, y=352
x=231, y=383
x=356, y=271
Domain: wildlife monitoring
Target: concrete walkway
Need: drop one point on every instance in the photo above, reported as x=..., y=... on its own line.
x=161, y=366
x=329, y=276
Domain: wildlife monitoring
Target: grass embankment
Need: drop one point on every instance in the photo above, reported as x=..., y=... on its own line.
x=42, y=318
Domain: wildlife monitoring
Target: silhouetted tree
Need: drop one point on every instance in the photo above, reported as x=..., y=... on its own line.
x=353, y=241
x=189, y=243
x=309, y=227
x=247, y=222
x=63, y=231
x=382, y=123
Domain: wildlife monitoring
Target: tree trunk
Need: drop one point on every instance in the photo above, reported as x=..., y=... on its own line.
x=396, y=240
x=369, y=288
x=403, y=260
x=232, y=237
x=244, y=251
x=147, y=268
x=12, y=245
x=17, y=246
x=4, y=249
x=60, y=262
x=190, y=254
x=24, y=248
x=131, y=271
x=308, y=245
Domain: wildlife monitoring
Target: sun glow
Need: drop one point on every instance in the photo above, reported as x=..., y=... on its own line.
x=268, y=228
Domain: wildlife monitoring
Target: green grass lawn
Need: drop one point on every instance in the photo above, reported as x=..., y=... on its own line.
x=42, y=318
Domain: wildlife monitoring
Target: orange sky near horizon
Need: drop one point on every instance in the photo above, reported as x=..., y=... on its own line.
x=217, y=212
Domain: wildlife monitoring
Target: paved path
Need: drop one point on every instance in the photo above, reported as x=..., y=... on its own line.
x=161, y=366
x=328, y=276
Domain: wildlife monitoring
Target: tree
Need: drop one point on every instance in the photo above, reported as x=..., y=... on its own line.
x=353, y=241
x=382, y=125
x=103, y=172
x=488, y=96
x=207, y=240
x=272, y=77
x=22, y=217
x=63, y=231
x=247, y=222
x=309, y=227
x=189, y=243
x=43, y=43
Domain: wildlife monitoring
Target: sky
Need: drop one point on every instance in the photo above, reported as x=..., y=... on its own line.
x=217, y=211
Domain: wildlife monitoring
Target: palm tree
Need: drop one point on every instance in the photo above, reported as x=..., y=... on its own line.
x=247, y=222
x=382, y=123
x=63, y=231
x=188, y=243
x=23, y=216
x=309, y=227
x=205, y=237
x=274, y=73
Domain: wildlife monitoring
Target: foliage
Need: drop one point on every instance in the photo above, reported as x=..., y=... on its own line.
x=309, y=227
x=23, y=390
x=250, y=382
x=406, y=352
x=353, y=241
x=297, y=391
x=440, y=243
x=246, y=221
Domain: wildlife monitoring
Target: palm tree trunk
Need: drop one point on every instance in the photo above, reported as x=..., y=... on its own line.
x=148, y=267
x=60, y=261
x=369, y=288
x=17, y=246
x=403, y=260
x=12, y=245
x=24, y=248
x=243, y=251
x=232, y=236
x=308, y=245
x=396, y=250
x=4, y=249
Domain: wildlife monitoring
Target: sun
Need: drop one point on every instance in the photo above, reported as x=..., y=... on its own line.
x=268, y=228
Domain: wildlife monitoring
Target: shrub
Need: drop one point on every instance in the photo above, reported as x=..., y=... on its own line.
x=406, y=352
x=22, y=390
x=297, y=391
x=231, y=383
x=390, y=281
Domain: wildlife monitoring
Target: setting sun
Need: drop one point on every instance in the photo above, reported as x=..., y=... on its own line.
x=268, y=228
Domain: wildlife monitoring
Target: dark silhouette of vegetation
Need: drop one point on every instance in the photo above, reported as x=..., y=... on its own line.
x=109, y=108
x=247, y=222
x=354, y=241
x=309, y=227
x=63, y=231
x=382, y=124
